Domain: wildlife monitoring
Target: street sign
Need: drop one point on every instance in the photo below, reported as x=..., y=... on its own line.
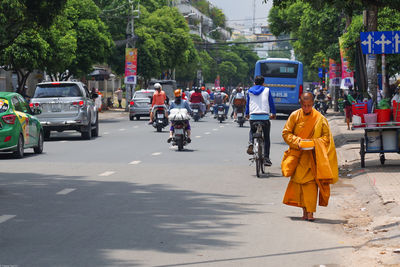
x=387, y=42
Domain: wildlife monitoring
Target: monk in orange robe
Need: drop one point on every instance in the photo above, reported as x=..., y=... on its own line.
x=311, y=171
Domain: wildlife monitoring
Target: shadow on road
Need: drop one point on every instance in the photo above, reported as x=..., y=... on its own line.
x=100, y=220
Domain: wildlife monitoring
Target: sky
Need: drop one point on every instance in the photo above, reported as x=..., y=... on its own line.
x=243, y=9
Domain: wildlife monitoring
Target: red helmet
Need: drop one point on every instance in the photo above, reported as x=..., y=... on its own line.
x=222, y=89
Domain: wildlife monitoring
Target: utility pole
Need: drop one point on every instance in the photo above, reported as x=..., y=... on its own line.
x=371, y=21
x=254, y=16
x=130, y=43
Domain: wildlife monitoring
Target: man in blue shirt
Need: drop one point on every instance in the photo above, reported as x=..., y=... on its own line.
x=260, y=107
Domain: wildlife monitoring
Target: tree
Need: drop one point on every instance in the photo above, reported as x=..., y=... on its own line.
x=316, y=31
x=227, y=70
x=17, y=16
x=164, y=42
x=27, y=53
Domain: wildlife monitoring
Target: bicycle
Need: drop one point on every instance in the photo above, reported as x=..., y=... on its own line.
x=258, y=148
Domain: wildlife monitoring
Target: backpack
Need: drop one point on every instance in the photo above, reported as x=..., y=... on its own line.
x=218, y=99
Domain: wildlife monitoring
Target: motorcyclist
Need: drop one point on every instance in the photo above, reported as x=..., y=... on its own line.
x=159, y=100
x=180, y=104
x=197, y=98
x=321, y=97
x=206, y=97
x=220, y=98
x=238, y=100
x=232, y=96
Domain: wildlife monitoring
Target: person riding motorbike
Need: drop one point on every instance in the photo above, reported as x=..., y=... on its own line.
x=238, y=101
x=206, y=98
x=180, y=104
x=321, y=97
x=197, y=98
x=159, y=100
x=220, y=98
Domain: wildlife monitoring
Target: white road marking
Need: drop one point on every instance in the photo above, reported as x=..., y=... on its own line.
x=207, y=133
x=63, y=141
x=107, y=173
x=106, y=133
x=198, y=136
x=136, y=127
x=5, y=218
x=221, y=126
x=156, y=154
x=66, y=191
x=122, y=129
x=215, y=129
x=136, y=162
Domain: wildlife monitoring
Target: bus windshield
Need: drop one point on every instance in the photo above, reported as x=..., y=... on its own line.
x=279, y=69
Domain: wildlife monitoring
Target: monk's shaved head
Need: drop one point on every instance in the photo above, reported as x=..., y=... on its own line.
x=307, y=102
x=306, y=96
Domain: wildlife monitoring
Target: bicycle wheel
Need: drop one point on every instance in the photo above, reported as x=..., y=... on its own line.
x=256, y=157
x=261, y=155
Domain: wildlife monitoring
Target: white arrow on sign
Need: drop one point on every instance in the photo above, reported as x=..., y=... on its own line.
x=383, y=42
x=396, y=43
x=369, y=43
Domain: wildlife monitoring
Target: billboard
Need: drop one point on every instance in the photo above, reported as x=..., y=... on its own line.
x=130, y=66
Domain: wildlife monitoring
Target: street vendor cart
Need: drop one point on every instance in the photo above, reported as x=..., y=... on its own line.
x=380, y=139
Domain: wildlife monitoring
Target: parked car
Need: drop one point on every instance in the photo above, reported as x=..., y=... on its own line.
x=19, y=128
x=140, y=104
x=66, y=106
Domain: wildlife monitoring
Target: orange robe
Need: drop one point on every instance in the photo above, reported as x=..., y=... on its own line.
x=317, y=168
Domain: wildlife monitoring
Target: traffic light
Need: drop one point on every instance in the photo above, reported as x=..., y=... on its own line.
x=323, y=74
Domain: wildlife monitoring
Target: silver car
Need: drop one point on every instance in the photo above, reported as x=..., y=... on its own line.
x=65, y=106
x=140, y=104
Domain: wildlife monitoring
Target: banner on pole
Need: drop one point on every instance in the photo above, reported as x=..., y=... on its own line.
x=130, y=66
x=335, y=73
x=347, y=73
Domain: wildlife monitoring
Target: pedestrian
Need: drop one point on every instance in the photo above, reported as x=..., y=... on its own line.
x=119, y=97
x=311, y=171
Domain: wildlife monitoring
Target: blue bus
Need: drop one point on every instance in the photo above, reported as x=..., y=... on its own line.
x=284, y=77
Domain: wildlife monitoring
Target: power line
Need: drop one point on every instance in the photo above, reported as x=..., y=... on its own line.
x=251, y=42
x=246, y=19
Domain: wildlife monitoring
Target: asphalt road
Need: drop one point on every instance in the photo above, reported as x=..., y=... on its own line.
x=127, y=198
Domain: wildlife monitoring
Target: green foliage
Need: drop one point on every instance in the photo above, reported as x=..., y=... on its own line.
x=17, y=16
x=164, y=42
x=78, y=40
x=228, y=72
x=316, y=31
x=216, y=14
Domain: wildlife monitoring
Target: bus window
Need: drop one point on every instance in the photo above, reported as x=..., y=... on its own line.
x=279, y=70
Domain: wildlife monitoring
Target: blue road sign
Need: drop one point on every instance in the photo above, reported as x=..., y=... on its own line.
x=387, y=42
x=320, y=72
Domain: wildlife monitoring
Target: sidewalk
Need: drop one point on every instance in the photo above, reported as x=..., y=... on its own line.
x=368, y=199
x=385, y=178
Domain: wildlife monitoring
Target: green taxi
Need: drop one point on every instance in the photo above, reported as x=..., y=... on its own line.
x=19, y=128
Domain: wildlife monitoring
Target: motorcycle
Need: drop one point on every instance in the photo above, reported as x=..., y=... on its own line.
x=160, y=121
x=179, y=121
x=320, y=106
x=196, y=111
x=221, y=113
x=180, y=135
x=240, y=106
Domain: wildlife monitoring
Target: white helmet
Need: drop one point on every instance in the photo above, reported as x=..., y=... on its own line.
x=157, y=85
x=218, y=89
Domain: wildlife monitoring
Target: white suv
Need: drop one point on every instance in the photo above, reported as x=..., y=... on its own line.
x=62, y=106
